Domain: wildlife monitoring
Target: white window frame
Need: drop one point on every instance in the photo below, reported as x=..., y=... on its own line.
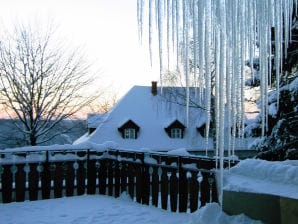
x=176, y=133
x=130, y=133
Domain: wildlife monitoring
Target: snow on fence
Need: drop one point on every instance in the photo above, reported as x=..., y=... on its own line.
x=176, y=183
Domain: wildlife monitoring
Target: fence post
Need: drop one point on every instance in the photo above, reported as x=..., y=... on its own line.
x=20, y=180
x=173, y=190
x=46, y=178
x=57, y=170
x=7, y=187
x=155, y=186
x=69, y=179
x=183, y=193
x=91, y=175
x=146, y=184
x=33, y=182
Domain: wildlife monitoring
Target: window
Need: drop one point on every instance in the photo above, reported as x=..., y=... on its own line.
x=176, y=133
x=129, y=130
x=129, y=133
x=175, y=129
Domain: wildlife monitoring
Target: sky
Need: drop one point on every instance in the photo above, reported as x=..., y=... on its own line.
x=106, y=29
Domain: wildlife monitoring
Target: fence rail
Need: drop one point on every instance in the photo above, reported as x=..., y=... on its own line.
x=177, y=183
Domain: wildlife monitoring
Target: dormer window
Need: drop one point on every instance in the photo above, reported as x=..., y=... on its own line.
x=176, y=133
x=175, y=129
x=130, y=133
x=129, y=130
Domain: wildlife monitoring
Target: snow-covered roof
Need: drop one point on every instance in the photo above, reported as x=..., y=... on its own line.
x=94, y=120
x=152, y=114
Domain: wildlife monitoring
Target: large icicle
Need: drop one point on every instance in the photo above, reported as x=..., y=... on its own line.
x=150, y=29
x=244, y=26
x=186, y=53
x=160, y=38
x=207, y=63
x=222, y=98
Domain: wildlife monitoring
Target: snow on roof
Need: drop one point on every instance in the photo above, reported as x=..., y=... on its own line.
x=151, y=114
x=94, y=120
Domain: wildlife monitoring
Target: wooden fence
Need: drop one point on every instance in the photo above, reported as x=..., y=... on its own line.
x=176, y=183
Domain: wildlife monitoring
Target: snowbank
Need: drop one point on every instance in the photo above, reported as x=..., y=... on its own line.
x=212, y=213
x=260, y=176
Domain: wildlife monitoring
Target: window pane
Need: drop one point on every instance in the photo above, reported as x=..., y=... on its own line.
x=129, y=133
x=176, y=133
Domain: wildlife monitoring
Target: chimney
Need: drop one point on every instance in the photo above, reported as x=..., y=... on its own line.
x=154, y=88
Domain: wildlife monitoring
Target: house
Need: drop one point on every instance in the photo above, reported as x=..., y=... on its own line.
x=149, y=117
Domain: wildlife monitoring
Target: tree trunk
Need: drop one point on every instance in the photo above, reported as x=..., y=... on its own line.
x=33, y=140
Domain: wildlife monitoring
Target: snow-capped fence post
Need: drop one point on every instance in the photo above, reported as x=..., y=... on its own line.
x=193, y=192
x=20, y=181
x=110, y=171
x=102, y=173
x=139, y=179
x=91, y=174
x=6, y=184
x=116, y=171
x=183, y=191
x=33, y=179
x=69, y=179
x=155, y=186
x=123, y=175
x=173, y=190
x=45, y=174
x=81, y=174
x=57, y=173
x=146, y=184
x=164, y=188
x=131, y=180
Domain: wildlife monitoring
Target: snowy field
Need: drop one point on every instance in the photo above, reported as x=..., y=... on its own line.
x=107, y=210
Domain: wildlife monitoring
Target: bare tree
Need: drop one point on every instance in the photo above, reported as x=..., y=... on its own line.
x=42, y=82
x=104, y=106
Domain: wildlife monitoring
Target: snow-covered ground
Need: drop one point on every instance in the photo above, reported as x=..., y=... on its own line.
x=95, y=209
x=265, y=177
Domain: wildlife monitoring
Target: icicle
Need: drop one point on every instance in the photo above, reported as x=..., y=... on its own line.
x=160, y=37
x=208, y=70
x=217, y=95
x=242, y=60
x=177, y=32
x=201, y=59
x=222, y=99
x=243, y=27
x=140, y=10
x=195, y=38
x=168, y=33
x=186, y=53
x=174, y=2
x=150, y=30
x=228, y=81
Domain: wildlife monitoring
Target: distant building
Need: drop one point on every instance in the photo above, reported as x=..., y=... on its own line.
x=153, y=118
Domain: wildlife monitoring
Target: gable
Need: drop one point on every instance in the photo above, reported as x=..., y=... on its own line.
x=175, y=128
x=129, y=130
x=129, y=124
